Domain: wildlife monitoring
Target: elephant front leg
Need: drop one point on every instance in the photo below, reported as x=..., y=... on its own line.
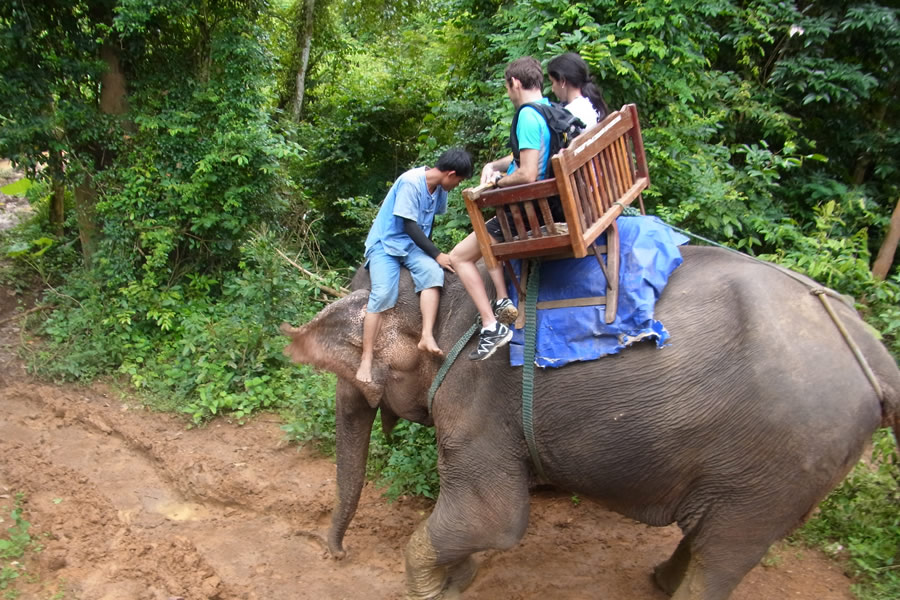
x=425, y=579
x=354, y=418
x=474, y=512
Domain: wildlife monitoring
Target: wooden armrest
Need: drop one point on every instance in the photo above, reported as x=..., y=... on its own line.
x=516, y=193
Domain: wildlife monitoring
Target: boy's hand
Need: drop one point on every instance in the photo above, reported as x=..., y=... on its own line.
x=445, y=261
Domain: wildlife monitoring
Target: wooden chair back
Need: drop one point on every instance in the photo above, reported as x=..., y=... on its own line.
x=603, y=170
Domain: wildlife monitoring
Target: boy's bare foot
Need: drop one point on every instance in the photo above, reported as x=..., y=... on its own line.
x=430, y=345
x=364, y=373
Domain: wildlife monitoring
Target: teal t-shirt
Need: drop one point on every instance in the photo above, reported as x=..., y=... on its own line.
x=533, y=134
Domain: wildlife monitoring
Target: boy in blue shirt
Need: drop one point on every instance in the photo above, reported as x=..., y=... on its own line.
x=524, y=80
x=400, y=237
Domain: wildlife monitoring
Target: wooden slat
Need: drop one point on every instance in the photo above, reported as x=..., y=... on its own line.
x=605, y=201
x=612, y=268
x=519, y=223
x=533, y=223
x=531, y=247
x=570, y=207
x=548, y=216
x=596, y=196
x=572, y=302
x=627, y=167
x=505, y=228
x=609, y=177
x=582, y=196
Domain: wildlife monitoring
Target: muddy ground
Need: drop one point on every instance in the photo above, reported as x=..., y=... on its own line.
x=133, y=505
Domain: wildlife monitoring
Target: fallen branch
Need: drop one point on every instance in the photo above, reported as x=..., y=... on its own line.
x=317, y=279
x=22, y=314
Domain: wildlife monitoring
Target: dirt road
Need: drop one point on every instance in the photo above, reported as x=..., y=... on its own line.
x=132, y=505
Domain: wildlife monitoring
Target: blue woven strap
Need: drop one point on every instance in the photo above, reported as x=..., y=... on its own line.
x=530, y=332
x=448, y=362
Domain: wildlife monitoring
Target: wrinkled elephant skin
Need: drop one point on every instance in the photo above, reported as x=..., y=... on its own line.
x=755, y=410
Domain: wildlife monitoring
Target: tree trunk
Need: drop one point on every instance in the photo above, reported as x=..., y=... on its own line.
x=88, y=229
x=885, y=258
x=306, y=44
x=58, y=199
x=113, y=101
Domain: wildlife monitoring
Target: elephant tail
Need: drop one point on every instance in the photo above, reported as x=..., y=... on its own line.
x=890, y=406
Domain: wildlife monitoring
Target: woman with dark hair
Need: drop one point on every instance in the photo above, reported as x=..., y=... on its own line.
x=572, y=83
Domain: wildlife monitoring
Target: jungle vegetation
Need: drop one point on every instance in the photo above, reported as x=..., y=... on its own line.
x=202, y=171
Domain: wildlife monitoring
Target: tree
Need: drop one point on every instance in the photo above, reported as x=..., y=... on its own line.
x=58, y=97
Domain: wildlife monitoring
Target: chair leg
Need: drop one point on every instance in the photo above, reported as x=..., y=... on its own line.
x=612, y=272
x=523, y=283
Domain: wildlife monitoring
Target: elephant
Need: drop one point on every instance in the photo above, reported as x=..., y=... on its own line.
x=735, y=430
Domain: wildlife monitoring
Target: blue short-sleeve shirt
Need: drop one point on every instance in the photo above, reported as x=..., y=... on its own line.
x=534, y=134
x=408, y=198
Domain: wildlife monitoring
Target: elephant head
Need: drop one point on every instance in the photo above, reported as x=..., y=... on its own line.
x=333, y=341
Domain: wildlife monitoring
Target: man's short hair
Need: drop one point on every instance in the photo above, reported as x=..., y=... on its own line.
x=456, y=159
x=528, y=71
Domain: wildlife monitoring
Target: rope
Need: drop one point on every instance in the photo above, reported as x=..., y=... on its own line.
x=821, y=293
x=528, y=366
x=448, y=362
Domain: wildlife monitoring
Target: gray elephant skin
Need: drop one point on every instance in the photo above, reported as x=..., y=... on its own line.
x=735, y=431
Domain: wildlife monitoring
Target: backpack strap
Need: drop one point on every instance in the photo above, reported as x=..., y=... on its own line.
x=563, y=126
x=513, y=138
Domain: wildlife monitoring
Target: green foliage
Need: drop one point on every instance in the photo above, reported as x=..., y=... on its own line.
x=35, y=250
x=407, y=462
x=209, y=346
x=310, y=416
x=17, y=188
x=859, y=521
x=13, y=544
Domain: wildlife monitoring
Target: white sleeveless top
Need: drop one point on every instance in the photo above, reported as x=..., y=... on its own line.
x=582, y=108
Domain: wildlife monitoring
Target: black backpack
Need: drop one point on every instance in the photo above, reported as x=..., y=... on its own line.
x=564, y=127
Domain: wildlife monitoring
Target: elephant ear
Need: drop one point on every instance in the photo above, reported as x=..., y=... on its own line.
x=333, y=341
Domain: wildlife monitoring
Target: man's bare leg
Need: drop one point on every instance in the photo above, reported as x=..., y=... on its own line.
x=371, y=327
x=465, y=255
x=429, y=300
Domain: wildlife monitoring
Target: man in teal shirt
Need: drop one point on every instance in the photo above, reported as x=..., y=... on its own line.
x=524, y=80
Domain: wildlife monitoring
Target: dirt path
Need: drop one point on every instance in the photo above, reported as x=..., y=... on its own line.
x=131, y=505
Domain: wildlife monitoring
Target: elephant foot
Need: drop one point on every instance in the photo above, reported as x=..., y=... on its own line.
x=462, y=574
x=424, y=579
x=331, y=549
x=663, y=579
x=335, y=549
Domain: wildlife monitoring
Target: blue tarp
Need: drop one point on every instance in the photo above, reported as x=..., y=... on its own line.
x=649, y=254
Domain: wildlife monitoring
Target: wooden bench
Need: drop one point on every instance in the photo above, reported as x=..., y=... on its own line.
x=601, y=172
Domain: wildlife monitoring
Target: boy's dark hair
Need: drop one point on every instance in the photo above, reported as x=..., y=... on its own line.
x=456, y=159
x=528, y=71
x=571, y=68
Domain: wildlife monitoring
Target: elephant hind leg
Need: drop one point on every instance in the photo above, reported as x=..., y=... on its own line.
x=669, y=574
x=710, y=569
